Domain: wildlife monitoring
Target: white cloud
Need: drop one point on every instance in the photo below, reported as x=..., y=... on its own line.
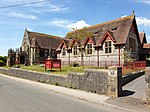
x=148, y=37
x=145, y=1
x=143, y=21
x=59, y=8
x=21, y=15
x=68, y=24
x=78, y=25
x=29, y=29
x=50, y=8
x=45, y=6
x=123, y=16
x=59, y=22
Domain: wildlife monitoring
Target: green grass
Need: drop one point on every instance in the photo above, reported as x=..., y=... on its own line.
x=64, y=70
x=5, y=67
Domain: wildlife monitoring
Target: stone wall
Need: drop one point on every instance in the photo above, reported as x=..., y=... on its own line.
x=108, y=82
x=92, y=80
x=130, y=77
x=147, y=79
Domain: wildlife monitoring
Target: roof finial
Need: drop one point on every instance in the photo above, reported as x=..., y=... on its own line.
x=133, y=13
x=26, y=29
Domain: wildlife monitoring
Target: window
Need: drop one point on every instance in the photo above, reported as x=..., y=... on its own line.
x=63, y=51
x=75, y=50
x=132, y=44
x=108, y=48
x=42, y=52
x=89, y=48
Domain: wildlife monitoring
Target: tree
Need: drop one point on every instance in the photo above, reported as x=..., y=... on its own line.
x=79, y=35
x=127, y=56
x=3, y=58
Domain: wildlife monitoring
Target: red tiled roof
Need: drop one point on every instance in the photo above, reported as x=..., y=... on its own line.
x=146, y=46
x=119, y=27
x=43, y=40
x=142, y=37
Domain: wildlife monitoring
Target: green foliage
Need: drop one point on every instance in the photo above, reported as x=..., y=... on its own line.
x=79, y=34
x=127, y=56
x=3, y=58
x=1, y=63
x=74, y=64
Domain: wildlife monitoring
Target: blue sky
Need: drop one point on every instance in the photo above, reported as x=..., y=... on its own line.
x=57, y=17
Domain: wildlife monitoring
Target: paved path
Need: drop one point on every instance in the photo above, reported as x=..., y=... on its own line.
x=136, y=88
x=19, y=95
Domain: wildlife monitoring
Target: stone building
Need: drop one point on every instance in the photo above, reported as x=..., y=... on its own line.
x=110, y=44
x=35, y=48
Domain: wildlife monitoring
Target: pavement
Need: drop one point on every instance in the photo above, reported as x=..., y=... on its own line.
x=124, y=103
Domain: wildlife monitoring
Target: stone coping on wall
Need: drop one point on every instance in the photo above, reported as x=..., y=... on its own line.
x=92, y=80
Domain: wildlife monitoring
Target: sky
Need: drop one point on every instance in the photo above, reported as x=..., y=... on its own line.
x=58, y=17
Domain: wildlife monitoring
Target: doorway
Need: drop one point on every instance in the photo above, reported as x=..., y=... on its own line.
x=22, y=59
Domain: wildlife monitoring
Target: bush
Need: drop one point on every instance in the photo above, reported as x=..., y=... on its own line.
x=3, y=58
x=1, y=63
x=75, y=64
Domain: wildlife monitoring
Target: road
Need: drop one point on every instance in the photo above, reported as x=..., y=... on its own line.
x=137, y=88
x=16, y=96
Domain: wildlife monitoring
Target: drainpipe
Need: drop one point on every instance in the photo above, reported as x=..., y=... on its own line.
x=69, y=58
x=98, y=57
x=119, y=55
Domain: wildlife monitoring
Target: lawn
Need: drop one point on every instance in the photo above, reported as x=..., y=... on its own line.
x=64, y=69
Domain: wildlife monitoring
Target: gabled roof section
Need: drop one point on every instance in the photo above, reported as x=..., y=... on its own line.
x=119, y=27
x=142, y=37
x=108, y=34
x=89, y=39
x=44, y=40
x=65, y=42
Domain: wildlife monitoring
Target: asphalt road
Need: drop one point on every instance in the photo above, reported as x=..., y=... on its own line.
x=16, y=96
x=136, y=88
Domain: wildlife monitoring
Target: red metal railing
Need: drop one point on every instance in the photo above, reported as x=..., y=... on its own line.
x=133, y=66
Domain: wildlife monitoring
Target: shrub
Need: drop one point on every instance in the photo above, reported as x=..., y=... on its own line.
x=1, y=63
x=74, y=64
x=3, y=58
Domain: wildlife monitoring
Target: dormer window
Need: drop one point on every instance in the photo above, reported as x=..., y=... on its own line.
x=108, y=47
x=113, y=29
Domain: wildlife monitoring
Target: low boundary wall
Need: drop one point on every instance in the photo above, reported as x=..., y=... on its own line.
x=147, y=79
x=92, y=80
x=108, y=82
x=130, y=77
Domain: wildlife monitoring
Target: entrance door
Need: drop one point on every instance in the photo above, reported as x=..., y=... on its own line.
x=22, y=59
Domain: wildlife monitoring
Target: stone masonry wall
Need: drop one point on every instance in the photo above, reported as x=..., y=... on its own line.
x=130, y=77
x=92, y=80
x=147, y=79
x=108, y=82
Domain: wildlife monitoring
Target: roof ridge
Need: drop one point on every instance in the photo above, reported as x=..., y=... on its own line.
x=44, y=34
x=107, y=22
x=111, y=21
